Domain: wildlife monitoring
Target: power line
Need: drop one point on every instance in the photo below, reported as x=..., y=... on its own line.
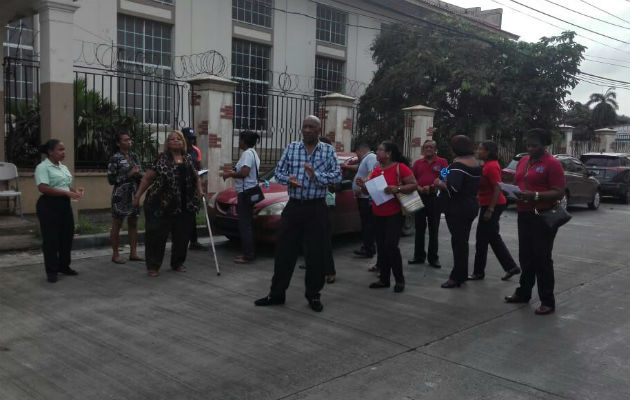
x=601, y=77
x=602, y=62
x=559, y=27
x=570, y=23
x=604, y=11
x=610, y=59
x=586, y=15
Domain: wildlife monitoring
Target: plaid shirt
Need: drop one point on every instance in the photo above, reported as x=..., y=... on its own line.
x=324, y=163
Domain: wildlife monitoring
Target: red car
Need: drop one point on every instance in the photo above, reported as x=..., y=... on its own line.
x=224, y=219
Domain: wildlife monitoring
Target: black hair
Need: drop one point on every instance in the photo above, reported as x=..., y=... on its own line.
x=363, y=145
x=119, y=136
x=324, y=139
x=492, y=149
x=429, y=141
x=542, y=136
x=397, y=156
x=249, y=138
x=462, y=145
x=48, y=146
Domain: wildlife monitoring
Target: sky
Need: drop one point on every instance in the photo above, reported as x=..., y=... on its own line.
x=599, y=56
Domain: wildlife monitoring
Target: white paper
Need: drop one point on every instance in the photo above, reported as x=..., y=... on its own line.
x=509, y=190
x=202, y=172
x=376, y=189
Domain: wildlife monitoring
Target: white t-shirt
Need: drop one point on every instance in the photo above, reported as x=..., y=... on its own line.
x=250, y=159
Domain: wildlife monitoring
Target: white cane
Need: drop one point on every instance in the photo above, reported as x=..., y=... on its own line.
x=214, y=252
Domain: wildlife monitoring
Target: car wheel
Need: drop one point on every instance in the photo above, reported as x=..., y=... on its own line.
x=409, y=227
x=564, y=202
x=594, y=205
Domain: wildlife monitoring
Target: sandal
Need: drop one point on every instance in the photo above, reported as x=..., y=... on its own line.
x=181, y=268
x=119, y=261
x=330, y=278
x=153, y=273
x=242, y=260
x=373, y=268
x=136, y=258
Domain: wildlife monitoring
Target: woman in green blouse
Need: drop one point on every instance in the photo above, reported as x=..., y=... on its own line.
x=53, y=209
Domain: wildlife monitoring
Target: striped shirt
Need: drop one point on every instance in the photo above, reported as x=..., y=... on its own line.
x=324, y=163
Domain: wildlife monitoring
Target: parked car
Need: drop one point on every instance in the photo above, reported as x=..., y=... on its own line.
x=224, y=219
x=581, y=188
x=612, y=170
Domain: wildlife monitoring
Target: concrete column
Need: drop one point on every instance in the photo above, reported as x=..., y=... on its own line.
x=56, y=77
x=213, y=102
x=2, y=131
x=567, y=133
x=339, y=118
x=419, y=120
x=607, y=138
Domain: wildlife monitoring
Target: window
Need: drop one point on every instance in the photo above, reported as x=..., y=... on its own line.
x=250, y=68
x=255, y=12
x=144, y=48
x=329, y=76
x=21, y=73
x=331, y=25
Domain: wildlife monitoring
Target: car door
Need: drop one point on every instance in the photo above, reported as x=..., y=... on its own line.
x=572, y=180
x=587, y=185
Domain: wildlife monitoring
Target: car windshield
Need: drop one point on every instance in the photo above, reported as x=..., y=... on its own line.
x=600, y=161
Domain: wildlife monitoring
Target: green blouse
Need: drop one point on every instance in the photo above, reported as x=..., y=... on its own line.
x=55, y=176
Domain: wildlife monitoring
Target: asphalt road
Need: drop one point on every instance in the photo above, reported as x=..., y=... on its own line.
x=114, y=333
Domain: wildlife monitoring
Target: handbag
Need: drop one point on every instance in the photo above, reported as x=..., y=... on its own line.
x=554, y=217
x=254, y=194
x=410, y=203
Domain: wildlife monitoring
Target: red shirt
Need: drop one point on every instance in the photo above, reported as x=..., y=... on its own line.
x=426, y=171
x=544, y=174
x=392, y=206
x=490, y=176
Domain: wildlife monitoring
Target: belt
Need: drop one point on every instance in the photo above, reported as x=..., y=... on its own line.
x=306, y=201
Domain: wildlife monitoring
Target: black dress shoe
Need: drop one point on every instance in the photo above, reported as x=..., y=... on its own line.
x=416, y=261
x=516, y=299
x=450, y=284
x=68, y=271
x=378, y=285
x=511, y=273
x=544, y=310
x=399, y=287
x=270, y=301
x=435, y=264
x=475, y=277
x=315, y=304
x=51, y=278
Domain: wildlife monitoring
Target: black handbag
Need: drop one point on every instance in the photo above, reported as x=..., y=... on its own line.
x=254, y=194
x=554, y=217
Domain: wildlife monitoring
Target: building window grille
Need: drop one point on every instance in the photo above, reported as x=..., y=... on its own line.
x=255, y=12
x=19, y=45
x=331, y=25
x=329, y=76
x=144, y=57
x=250, y=68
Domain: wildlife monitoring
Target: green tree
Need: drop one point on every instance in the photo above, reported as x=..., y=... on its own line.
x=471, y=78
x=605, y=111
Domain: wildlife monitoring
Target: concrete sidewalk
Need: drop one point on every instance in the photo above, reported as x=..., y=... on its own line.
x=114, y=333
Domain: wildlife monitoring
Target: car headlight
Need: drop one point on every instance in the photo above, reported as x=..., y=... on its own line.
x=273, y=209
x=213, y=200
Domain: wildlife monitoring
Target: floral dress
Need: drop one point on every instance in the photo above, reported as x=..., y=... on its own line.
x=125, y=187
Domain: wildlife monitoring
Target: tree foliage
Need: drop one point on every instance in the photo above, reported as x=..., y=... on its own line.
x=471, y=78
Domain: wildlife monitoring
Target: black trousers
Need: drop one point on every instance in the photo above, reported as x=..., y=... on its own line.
x=303, y=224
x=488, y=234
x=535, y=245
x=388, y=231
x=157, y=232
x=367, y=224
x=428, y=216
x=57, y=226
x=193, y=232
x=245, y=211
x=459, y=226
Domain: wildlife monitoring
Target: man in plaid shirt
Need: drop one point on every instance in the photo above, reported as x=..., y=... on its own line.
x=308, y=167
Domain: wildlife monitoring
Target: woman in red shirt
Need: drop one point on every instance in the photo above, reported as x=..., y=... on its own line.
x=388, y=218
x=492, y=203
x=541, y=179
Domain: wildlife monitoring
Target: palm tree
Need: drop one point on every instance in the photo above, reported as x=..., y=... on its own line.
x=604, y=112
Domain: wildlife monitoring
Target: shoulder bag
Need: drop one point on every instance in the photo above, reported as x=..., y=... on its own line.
x=554, y=217
x=254, y=194
x=411, y=202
